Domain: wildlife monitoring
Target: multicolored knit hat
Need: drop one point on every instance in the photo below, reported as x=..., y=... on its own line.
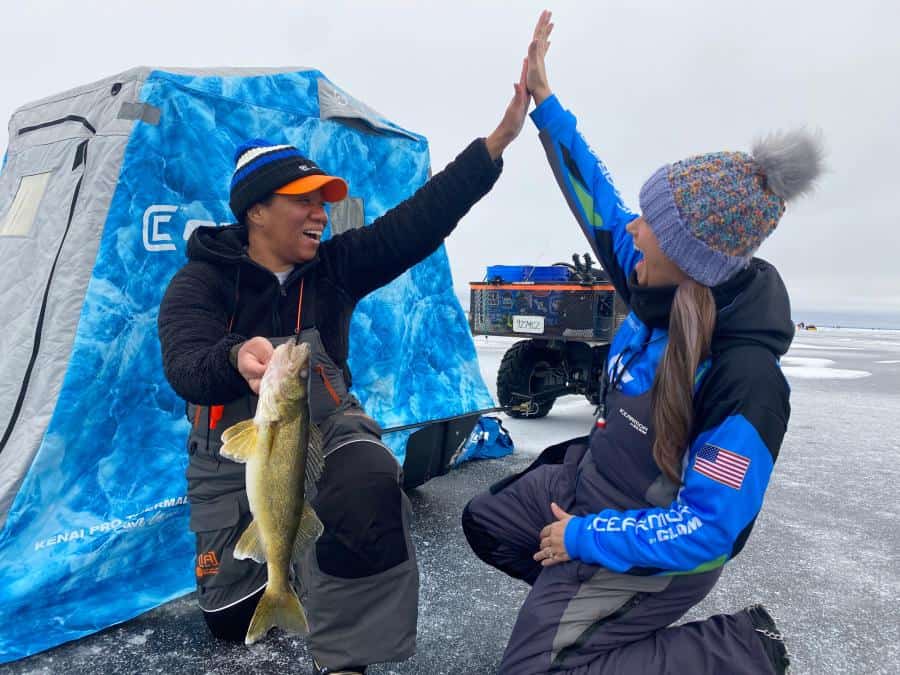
x=711, y=212
x=262, y=168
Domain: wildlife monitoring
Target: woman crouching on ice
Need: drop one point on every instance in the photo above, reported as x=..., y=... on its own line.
x=645, y=511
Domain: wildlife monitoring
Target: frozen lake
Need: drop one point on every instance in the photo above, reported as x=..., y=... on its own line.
x=824, y=556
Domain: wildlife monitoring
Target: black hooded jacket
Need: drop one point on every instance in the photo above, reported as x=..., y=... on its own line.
x=221, y=297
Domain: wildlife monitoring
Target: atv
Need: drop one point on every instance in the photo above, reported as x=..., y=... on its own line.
x=567, y=313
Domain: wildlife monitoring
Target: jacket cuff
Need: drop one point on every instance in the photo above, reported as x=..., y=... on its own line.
x=546, y=111
x=570, y=538
x=233, y=354
x=478, y=149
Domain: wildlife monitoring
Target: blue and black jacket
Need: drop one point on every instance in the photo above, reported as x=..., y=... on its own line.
x=741, y=405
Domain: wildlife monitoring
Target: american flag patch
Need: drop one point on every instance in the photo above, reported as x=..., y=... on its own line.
x=723, y=466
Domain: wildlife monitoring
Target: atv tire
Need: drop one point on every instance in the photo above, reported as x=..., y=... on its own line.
x=522, y=373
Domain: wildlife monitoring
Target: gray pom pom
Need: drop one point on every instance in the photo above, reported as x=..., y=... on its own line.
x=791, y=161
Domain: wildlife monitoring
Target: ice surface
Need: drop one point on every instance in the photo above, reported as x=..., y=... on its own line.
x=809, y=372
x=795, y=346
x=802, y=367
x=823, y=555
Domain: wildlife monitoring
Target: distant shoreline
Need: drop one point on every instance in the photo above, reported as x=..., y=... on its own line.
x=860, y=321
x=824, y=326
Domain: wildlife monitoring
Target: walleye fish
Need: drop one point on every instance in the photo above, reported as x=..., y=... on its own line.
x=283, y=454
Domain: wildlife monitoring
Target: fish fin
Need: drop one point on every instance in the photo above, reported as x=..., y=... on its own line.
x=309, y=530
x=315, y=457
x=239, y=441
x=277, y=608
x=250, y=545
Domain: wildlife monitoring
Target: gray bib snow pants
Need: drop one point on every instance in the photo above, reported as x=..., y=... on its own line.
x=359, y=583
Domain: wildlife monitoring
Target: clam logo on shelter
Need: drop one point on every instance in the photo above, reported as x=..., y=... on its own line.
x=155, y=237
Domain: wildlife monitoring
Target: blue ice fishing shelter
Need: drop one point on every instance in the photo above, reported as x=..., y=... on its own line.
x=100, y=189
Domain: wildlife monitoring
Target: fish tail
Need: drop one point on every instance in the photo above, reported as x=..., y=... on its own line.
x=277, y=608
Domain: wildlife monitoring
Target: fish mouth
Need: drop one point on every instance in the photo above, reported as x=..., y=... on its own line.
x=291, y=357
x=299, y=358
x=299, y=350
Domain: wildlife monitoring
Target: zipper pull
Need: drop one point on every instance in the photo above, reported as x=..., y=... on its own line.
x=600, y=416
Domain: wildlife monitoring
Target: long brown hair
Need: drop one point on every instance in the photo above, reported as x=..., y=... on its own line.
x=691, y=324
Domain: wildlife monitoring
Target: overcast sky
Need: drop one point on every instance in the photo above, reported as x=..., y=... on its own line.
x=651, y=82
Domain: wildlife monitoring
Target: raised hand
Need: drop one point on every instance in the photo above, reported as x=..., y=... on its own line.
x=513, y=118
x=536, y=78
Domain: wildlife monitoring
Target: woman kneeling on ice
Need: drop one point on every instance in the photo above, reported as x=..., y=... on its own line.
x=644, y=512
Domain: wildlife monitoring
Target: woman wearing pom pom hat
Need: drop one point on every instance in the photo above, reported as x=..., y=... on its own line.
x=621, y=532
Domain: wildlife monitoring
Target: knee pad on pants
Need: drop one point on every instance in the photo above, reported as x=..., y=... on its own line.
x=492, y=550
x=480, y=540
x=360, y=503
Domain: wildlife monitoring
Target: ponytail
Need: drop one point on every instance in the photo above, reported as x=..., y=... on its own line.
x=691, y=324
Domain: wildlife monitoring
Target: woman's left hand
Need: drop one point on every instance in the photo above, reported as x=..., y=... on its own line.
x=513, y=118
x=553, y=539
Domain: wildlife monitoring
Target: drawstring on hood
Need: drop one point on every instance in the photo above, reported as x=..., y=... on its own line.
x=228, y=245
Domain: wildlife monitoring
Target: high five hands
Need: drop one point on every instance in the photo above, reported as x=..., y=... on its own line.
x=536, y=77
x=532, y=82
x=513, y=119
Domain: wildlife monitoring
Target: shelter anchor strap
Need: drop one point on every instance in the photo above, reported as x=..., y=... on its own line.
x=414, y=425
